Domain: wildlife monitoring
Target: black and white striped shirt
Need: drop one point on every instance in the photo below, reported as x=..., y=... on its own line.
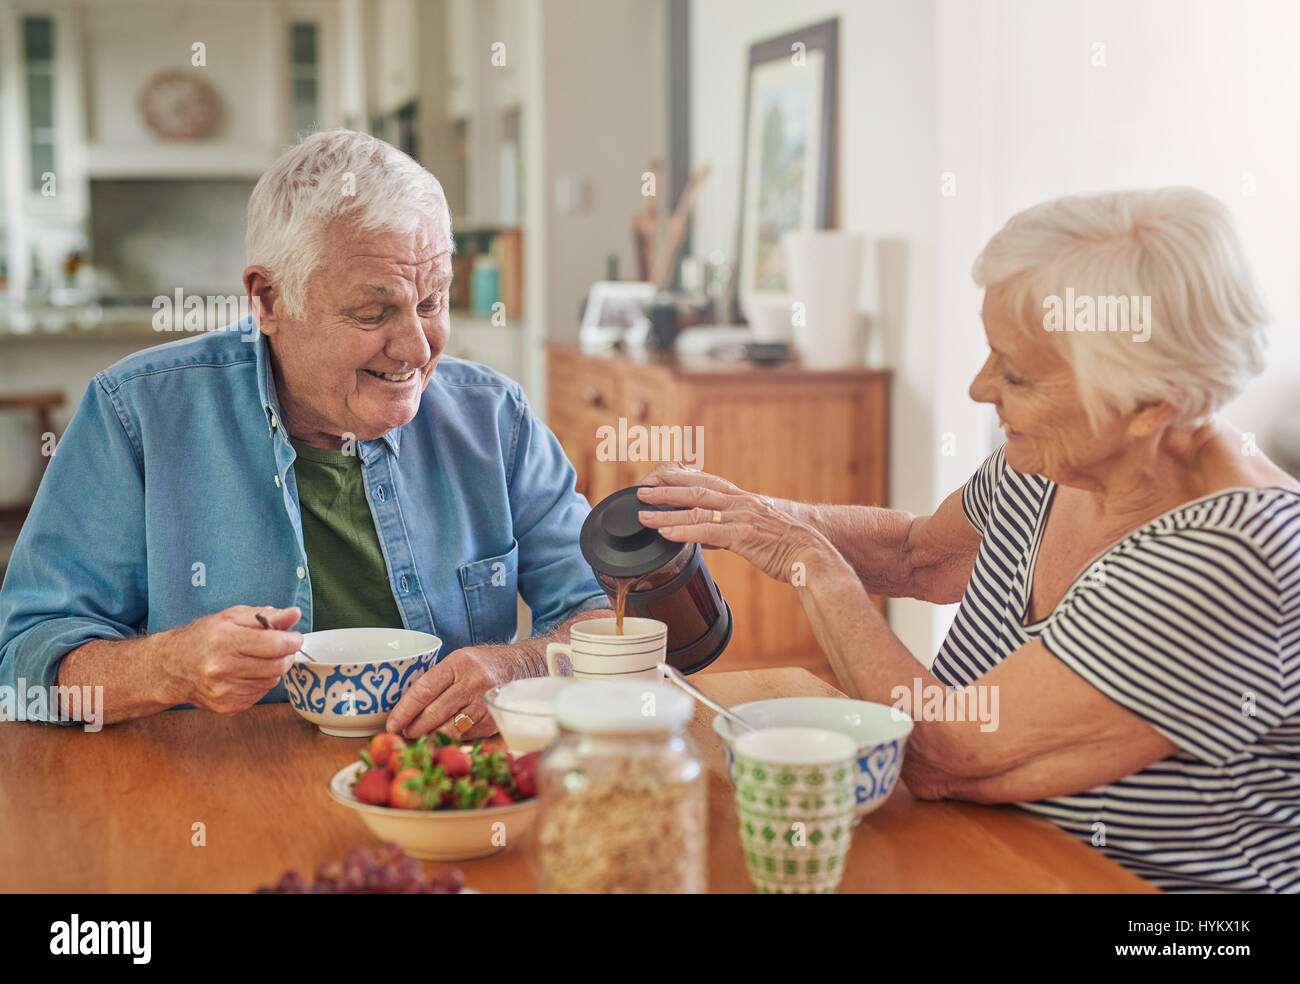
x=1191, y=622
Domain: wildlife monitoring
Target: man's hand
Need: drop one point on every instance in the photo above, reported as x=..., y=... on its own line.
x=458, y=683
x=227, y=662
x=454, y=686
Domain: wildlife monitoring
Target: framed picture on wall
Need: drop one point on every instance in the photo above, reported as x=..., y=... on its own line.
x=788, y=154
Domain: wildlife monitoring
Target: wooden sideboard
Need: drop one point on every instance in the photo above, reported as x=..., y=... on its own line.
x=784, y=431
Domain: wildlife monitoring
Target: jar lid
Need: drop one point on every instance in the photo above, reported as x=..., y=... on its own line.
x=614, y=542
x=606, y=707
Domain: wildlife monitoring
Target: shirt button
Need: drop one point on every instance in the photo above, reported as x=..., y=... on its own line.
x=403, y=582
x=277, y=481
x=379, y=491
x=274, y=423
x=301, y=573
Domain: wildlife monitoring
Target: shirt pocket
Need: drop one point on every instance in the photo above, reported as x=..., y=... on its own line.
x=491, y=588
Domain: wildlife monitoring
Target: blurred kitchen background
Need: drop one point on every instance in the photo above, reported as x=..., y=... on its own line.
x=566, y=134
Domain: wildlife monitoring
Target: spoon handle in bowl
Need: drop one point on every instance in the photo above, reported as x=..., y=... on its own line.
x=266, y=625
x=676, y=677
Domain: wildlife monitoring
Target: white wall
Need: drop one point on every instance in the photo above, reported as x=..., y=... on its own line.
x=888, y=181
x=1196, y=92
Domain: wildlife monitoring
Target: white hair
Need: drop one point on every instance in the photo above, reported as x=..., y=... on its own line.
x=327, y=175
x=1176, y=246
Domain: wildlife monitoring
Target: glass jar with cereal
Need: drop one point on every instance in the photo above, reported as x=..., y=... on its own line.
x=624, y=796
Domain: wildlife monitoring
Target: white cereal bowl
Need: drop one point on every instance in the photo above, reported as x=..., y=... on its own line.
x=880, y=731
x=524, y=711
x=358, y=676
x=438, y=835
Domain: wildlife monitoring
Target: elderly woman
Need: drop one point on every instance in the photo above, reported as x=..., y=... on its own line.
x=1128, y=565
x=312, y=468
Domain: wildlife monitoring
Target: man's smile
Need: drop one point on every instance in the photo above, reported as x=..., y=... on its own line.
x=392, y=377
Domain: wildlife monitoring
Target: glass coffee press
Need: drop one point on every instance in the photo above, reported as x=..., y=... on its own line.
x=666, y=581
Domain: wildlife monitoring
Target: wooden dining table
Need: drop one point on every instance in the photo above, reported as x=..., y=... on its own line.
x=191, y=801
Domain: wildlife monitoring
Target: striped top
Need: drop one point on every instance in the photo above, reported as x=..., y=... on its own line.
x=1191, y=622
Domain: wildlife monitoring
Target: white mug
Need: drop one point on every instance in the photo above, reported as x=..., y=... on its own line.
x=595, y=652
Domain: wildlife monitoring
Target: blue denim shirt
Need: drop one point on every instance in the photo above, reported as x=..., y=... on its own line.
x=172, y=496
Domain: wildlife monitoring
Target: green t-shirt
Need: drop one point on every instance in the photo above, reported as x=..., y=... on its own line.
x=349, y=577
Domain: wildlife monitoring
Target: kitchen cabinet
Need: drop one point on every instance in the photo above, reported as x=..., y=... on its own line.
x=72, y=76
x=461, y=58
x=784, y=431
x=104, y=55
x=395, y=58
x=509, y=24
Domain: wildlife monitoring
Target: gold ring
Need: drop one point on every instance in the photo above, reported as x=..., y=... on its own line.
x=717, y=516
x=463, y=722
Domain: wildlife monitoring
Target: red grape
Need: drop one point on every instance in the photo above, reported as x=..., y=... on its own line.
x=291, y=883
x=388, y=870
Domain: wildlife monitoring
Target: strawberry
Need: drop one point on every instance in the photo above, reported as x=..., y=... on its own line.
x=453, y=761
x=499, y=797
x=420, y=755
x=400, y=796
x=524, y=772
x=469, y=794
x=373, y=787
x=383, y=747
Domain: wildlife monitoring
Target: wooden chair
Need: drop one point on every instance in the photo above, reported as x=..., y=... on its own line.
x=42, y=405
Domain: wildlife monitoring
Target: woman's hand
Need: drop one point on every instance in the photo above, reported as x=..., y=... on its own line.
x=715, y=513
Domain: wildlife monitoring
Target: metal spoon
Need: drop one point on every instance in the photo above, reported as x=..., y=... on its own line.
x=266, y=625
x=676, y=677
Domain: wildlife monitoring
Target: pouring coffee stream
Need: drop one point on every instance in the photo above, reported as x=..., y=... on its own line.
x=620, y=601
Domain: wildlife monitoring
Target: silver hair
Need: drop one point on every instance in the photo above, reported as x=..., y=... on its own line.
x=1207, y=328
x=328, y=175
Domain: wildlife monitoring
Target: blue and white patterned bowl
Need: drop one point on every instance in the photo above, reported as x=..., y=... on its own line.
x=880, y=731
x=358, y=677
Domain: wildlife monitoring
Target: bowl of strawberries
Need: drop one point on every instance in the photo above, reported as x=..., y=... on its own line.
x=439, y=799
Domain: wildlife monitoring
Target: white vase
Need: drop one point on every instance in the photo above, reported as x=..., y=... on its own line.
x=824, y=267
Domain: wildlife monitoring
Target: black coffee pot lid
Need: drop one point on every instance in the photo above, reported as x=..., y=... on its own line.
x=615, y=543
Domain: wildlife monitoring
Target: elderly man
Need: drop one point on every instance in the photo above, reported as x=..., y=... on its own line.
x=313, y=468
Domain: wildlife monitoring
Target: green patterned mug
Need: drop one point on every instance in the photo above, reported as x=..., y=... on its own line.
x=795, y=795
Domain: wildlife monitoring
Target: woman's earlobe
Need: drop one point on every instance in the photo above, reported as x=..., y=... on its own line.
x=1150, y=417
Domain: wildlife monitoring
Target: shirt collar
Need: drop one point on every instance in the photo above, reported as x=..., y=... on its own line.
x=266, y=381
x=370, y=448
x=271, y=402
